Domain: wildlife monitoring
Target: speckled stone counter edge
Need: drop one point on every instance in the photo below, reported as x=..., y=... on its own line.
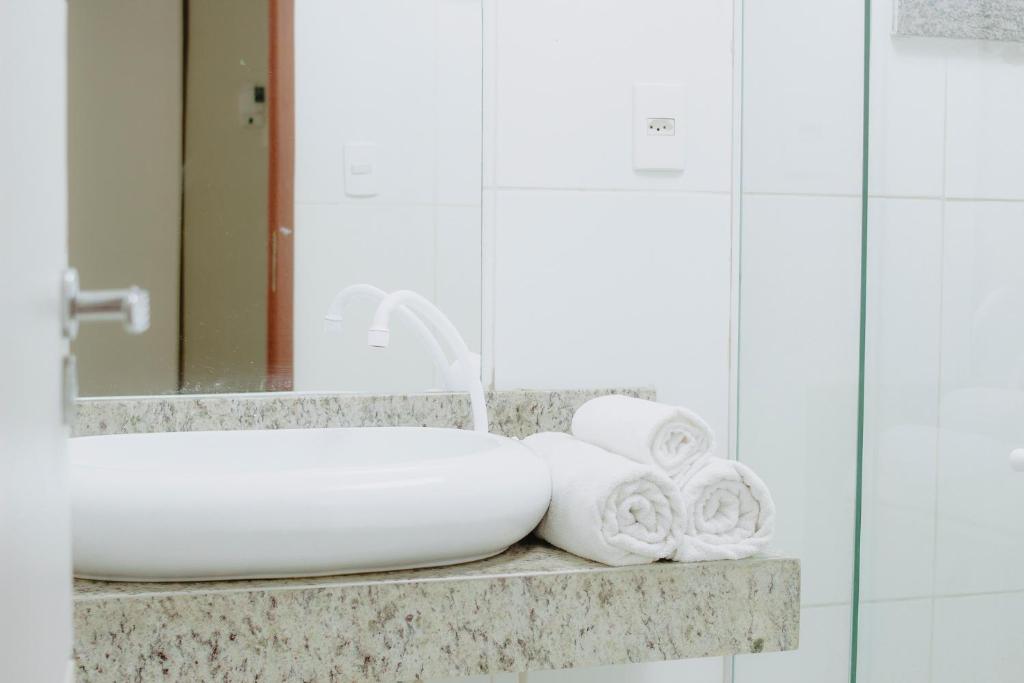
x=531, y=608
x=976, y=19
x=517, y=413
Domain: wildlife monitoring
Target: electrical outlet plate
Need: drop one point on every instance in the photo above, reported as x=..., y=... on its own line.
x=360, y=169
x=658, y=128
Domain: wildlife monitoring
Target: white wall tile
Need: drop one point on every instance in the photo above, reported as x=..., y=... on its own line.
x=908, y=91
x=978, y=638
x=823, y=656
x=615, y=289
x=422, y=106
x=980, y=501
x=346, y=89
x=457, y=275
x=565, y=76
x=980, y=519
x=340, y=245
x=489, y=124
x=894, y=642
x=985, y=100
x=802, y=102
x=902, y=397
x=707, y=670
x=459, y=102
x=983, y=292
x=799, y=305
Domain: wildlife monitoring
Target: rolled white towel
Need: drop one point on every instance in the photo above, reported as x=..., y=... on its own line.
x=673, y=439
x=604, y=507
x=729, y=513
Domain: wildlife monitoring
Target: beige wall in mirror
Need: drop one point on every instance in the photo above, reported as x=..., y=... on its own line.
x=245, y=160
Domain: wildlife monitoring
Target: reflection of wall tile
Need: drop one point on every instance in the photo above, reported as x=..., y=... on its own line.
x=908, y=90
x=348, y=90
x=798, y=376
x=980, y=520
x=902, y=393
x=802, y=96
x=983, y=296
x=457, y=277
x=458, y=105
x=894, y=641
x=422, y=109
x=977, y=638
x=985, y=105
x=339, y=245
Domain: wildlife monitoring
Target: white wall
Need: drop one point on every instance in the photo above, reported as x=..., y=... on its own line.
x=598, y=275
x=942, y=513
x=800, y=304
x=594, y=274
x=421, y=105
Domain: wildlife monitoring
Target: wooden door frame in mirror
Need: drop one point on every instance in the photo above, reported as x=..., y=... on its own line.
x=281, y=196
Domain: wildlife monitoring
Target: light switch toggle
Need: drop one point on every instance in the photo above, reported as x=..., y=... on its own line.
x=360, y=169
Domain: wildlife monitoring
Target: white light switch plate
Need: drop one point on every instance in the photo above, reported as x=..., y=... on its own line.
x=659, y=127
x=360, y=169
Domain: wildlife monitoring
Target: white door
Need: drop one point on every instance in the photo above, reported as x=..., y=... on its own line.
x=35, y=548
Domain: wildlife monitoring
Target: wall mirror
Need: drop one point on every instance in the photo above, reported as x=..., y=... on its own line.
x=244, y=160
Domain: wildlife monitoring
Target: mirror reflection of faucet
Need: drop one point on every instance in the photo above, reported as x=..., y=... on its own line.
x=460, y=373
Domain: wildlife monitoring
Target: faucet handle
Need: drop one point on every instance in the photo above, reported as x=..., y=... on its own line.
x=130, y=306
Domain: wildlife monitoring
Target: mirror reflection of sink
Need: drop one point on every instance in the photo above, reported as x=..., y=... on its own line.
x=300, y=502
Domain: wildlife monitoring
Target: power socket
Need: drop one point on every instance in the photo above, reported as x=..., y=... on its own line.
x=661, y=126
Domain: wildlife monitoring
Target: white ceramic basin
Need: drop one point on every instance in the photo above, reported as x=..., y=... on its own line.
x=299, y=502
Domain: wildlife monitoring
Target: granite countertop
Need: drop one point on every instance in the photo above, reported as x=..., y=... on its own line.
x=533, y=607
x=513, y=412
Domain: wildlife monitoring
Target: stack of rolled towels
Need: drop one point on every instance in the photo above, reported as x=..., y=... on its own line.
x=639, y=481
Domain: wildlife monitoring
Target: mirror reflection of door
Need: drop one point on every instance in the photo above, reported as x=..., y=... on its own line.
x=181, y=163
x=245, y=160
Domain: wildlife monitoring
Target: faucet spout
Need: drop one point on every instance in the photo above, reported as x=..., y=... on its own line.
x=380, y=333
x=336, y=313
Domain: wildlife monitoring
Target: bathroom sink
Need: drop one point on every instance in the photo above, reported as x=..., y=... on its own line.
x=298, y=502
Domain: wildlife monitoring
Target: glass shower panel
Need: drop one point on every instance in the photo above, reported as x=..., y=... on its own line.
x=800, y=306
x=942, y=551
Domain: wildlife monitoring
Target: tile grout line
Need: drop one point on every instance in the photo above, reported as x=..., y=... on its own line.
x=489, y=195
x=939, y=378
